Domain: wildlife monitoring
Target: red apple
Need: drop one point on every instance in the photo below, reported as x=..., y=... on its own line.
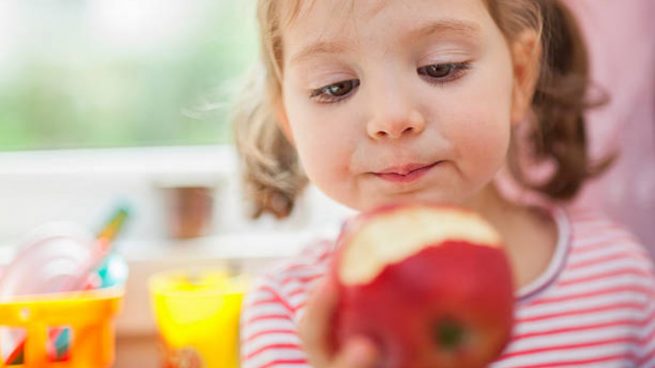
x=431, y=286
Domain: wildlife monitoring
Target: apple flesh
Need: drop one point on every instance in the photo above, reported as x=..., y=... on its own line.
x=431, y=286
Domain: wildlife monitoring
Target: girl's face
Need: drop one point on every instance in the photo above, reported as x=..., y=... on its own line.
x=395, y=101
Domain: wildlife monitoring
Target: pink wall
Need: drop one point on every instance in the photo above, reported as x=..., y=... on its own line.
x=621, y=38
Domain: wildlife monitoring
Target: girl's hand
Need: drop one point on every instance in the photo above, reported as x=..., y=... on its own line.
x=314, y=331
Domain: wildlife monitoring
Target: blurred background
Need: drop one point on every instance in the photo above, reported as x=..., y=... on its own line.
x=79, y=74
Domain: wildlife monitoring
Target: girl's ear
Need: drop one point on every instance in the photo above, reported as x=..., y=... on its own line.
x=282, y=121
x=526, y=57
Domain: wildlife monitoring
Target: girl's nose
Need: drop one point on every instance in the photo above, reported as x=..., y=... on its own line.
x=394, y=125
x=394, y=111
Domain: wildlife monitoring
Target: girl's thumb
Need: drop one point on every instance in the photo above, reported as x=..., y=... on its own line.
x=357, y=353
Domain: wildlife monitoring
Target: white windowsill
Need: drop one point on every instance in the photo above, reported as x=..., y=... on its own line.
x=84, y=186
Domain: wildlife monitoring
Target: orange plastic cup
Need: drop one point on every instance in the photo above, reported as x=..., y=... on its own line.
x=88, y=316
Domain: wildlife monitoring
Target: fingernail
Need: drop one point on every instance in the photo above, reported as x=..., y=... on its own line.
x=360, y=352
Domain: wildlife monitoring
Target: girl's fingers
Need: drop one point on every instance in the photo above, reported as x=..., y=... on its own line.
x=358, y=353
x=315, y=323
x=315, y=327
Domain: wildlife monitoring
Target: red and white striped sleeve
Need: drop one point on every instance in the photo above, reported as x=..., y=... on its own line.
x=269, y=337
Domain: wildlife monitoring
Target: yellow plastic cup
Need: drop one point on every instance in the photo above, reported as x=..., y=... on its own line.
x=197, y=313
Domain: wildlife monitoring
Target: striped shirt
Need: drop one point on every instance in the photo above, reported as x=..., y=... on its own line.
x=594, y=306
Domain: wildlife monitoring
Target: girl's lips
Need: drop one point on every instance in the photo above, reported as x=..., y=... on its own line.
x=406, y=175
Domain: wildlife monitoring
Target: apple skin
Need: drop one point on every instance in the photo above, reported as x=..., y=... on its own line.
x=447, y=303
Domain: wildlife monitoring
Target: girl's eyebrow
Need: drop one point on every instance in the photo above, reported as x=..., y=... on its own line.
x=442, y=26
x=317, y=48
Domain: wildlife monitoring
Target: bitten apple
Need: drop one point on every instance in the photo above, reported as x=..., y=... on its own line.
x=431, y=286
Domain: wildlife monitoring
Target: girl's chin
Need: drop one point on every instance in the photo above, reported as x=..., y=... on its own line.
x=411, y=199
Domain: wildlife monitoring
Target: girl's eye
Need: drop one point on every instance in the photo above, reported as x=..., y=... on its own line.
x=335, y=92
x=443, y=72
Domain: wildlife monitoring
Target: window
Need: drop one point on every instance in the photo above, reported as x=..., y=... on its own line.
x=92, y=73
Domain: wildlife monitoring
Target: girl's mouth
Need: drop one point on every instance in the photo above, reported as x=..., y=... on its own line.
x=406, y=173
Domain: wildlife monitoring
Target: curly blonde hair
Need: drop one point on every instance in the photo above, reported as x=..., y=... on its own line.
x=272, y=171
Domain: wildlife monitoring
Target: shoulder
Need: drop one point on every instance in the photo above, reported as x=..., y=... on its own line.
x=595, y=234
x=289, y=282
x=599, y=300
x=268, y=322
x=604, y=251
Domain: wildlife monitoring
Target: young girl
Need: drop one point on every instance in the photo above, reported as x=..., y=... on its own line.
x=396, y=101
